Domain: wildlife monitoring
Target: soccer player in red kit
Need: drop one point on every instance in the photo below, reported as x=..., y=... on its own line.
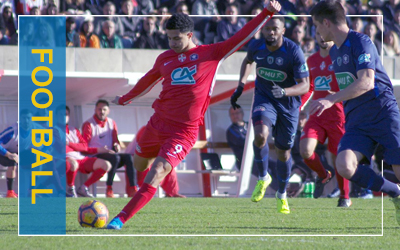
x=187, y=73
x=329, y=125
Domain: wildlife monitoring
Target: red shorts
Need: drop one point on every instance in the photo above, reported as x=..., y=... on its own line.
x=320, y=130
x=86, y=164
x=169, y=141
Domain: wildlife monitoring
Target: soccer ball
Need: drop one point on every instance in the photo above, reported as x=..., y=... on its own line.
x=93, y=214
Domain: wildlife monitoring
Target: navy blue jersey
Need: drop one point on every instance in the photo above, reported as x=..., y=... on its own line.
x=357, y=53
x=280, y=67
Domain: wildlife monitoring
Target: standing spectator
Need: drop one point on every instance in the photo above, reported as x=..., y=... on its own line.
x=162, y=21
x=35, y=11
x=181, y=7
x=205, y=24
x=308, y=45
x=9, y=156
x=222, y=5
x=87, y=38
x=377, y=19
x=391, y=44
x=8, y=34
x=108, y=38
x=101, y=131
x=72, y=36
x=230, y=25
x=370, y=30
x=108, y=9
x=305, y=6
x=132, y=25
x=150, y=37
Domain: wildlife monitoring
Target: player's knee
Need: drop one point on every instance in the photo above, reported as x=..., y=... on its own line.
x=346, y=166
x=260, y=139
x=283, y=155
x=306, y=152
x=73, y=164
x=161, y=169
x=106, y=165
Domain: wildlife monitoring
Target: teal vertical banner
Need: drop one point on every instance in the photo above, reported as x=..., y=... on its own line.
x=42, y=125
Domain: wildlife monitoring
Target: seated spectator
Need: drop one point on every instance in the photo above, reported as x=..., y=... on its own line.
x=108, y=9
x=357, y=24
x=35, y=11
x=75, y=161
x=377, y=20
x=391, y=44
x=395, y=25
x=229, y=26
x=181, y=7
x=72, y=36
x=348, y=8
x=370, y=30
x=236, y=138
x=150, y=37
x=146, y=7
x=132, y=25
x=46, y=36
x=162, y=20
x=51, y=9
x=87, y=38
x=205, y=24
x=108, y=38
x=10, y=31
x=24, y=7
x=95, y=6
x=77, y=7
x=308, y=45
x=101, y=131
x=9, y=156
x=304, y=6
x=169, y=184
x=222, y=5
x=389, y=9
x=298, y=35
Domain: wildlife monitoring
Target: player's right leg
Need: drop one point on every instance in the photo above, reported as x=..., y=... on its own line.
x=396, y=200
x=261, y=152
x=10, y=175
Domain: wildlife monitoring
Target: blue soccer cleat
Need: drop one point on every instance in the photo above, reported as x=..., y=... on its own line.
x=115, y=224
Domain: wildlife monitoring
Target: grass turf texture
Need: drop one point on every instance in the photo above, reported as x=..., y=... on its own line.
x=213, y=216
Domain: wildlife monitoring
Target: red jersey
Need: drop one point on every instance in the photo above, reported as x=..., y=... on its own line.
x=322, y=79
x=189, y=77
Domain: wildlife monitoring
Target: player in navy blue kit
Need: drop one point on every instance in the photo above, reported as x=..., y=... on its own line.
x=282, y=76
x=372, y=113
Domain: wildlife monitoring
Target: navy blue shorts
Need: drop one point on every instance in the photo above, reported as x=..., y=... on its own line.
x=365, y=137
x=283, y=122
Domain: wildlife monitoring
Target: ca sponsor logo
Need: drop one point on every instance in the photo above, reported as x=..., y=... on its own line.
x=271, y=74
x=323, y=82
x=182, y=76
x=270, y=60
x=303, y=68
x=344, y=79
x=364, y=58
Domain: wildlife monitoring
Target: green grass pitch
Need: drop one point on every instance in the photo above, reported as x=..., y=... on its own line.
x=221, y=216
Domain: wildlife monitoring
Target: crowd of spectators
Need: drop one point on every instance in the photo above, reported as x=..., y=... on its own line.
x=85, y=30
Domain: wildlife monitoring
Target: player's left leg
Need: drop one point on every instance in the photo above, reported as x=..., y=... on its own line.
x=157, y=173
x=396, y=200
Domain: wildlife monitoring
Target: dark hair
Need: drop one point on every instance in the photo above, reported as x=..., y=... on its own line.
x=329, y=9
x=280, y=18
x=181, y=22
x=67, y=108
x=102, y=101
